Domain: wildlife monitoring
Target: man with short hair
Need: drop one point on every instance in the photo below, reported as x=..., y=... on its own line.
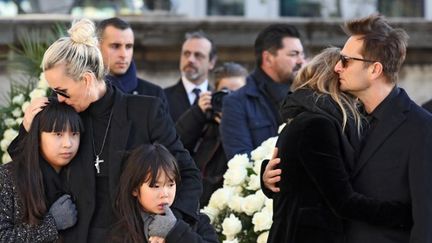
x=197, y=59
x=251, y=114
x=388, y=167
x=116, y=42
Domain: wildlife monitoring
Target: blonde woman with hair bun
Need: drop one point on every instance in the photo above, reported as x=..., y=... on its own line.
x=317, y=149
x=114, y=122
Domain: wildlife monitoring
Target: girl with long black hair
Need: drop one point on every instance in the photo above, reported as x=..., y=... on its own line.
x=34, y=201
x=146, y=191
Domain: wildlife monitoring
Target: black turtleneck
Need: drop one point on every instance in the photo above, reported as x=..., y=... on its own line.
x=99, y=112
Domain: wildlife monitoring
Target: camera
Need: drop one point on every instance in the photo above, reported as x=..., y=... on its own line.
x=217, y=99
x=217, y=102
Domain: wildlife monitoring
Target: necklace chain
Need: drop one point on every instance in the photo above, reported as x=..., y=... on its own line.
x=105, y=136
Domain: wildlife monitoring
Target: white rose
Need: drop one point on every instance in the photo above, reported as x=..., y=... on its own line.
x=235, y=176
x=10, y=122
x=268, y=205
x=257, y=167
x=262, y=221
x=262, y=238
x=221, y=197
x=236, y=203
x=259, y=153
x=239, y=160
x=252, y=203
x=231, y=241
x=10, y=134
x=6, y=158
x=4, y=144
x=36, y=93
x=17, y=112
x=254, y=183
x=43, y=84
x=231, y=226
x=281, y=127
x=18, y=100
x=19, y=120
x=211, y=212
x=25, y=105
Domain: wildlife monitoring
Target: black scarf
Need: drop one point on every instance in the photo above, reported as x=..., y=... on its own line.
x=53, y=185
x=275, y=92
x=126, y=82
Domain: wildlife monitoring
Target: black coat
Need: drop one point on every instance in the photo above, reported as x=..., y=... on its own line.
x=146, y=88
x=201, y=232
x=200, y=135
x=396, y=164
x=136, y=120
x=178, y=101
x=316, y=192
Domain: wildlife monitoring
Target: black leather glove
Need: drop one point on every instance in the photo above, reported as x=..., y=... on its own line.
x=162, y=224
x=64, y=212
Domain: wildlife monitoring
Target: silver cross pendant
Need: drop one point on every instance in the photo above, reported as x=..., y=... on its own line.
x=97, y=162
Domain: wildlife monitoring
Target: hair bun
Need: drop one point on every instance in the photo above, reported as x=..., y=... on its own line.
x=83, y=32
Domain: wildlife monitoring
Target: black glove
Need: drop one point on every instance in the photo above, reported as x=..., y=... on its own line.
x=162, y=224
x=64, y=212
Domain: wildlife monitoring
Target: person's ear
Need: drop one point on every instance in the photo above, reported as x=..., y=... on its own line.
x=267, y=58
x=135, y=193
x=89, y=78
x=376, y=70
x=212, y=63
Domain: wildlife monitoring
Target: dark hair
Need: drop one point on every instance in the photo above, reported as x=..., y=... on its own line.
x=228, y=69
x=382, y=43
x=115, y=22
x=142, y=166
x=55, y=117
x=270, y=39
x=201, y=35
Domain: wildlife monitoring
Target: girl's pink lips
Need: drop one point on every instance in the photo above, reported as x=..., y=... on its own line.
x=66, y=155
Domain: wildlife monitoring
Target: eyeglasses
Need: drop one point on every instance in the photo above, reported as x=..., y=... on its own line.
x=61, y=93
x=344, y=60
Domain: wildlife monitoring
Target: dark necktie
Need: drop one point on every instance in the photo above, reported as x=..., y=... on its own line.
x=197, y=92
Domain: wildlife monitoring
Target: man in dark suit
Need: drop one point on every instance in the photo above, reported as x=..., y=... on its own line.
x=394, y=160
x=197, y=58
x=116, y=42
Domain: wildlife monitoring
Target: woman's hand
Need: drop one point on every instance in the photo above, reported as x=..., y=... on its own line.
x=36, y=105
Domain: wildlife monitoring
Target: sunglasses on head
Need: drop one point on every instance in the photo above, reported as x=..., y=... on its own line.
x=61, y=93
x=345, y=59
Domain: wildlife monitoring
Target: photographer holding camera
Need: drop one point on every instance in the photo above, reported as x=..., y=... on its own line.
x=198, y=127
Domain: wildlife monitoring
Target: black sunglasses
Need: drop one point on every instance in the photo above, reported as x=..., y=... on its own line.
x=61, y=93
x=344, y=60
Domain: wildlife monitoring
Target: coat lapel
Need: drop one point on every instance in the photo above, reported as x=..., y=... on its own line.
x=120, y=129
x=181, y=96
x=392, y=120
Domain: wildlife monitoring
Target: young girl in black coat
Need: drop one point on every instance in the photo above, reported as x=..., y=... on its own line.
x=146, y=191
x=34, y=202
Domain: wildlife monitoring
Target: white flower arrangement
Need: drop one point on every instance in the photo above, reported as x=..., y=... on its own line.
x=239, y=210
x=13, y=116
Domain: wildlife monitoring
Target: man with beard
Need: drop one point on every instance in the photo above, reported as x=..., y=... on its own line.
x=198, y=57
x=116, y=42
x=250, y=115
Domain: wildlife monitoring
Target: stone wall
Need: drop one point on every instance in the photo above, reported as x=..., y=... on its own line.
x=159, y=39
